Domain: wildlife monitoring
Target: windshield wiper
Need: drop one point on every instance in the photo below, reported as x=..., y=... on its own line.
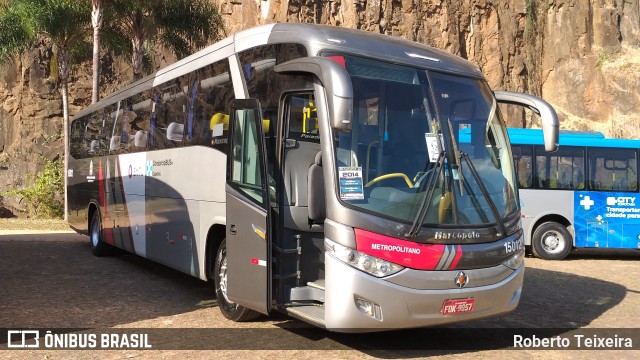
x=485, y=193
x=426, y=200
x=457, y=156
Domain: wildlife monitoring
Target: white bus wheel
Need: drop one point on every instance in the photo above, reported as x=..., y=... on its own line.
x=552, y=241
x=96, y=237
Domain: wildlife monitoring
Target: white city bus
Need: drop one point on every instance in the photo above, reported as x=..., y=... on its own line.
x=581, y=196
x=314, y=171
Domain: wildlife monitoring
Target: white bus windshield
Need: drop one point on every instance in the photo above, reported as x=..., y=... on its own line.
x=404, y=119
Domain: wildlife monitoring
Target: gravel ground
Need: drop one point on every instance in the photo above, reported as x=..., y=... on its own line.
x=51, y=280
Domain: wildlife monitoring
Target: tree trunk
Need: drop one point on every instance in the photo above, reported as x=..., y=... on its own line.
x=137, y=57
x=63, y=68
x=96, y=22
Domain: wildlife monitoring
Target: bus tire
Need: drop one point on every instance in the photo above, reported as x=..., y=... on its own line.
x=96, y=237
x=229, y=309
x=552, y=241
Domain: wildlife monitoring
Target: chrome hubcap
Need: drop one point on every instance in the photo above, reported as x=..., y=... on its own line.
x=223, y=277
x=553, y=242
x=95, y=234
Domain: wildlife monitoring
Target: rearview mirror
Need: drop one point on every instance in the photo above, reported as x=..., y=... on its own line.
x=550, y=123
x=335, y=79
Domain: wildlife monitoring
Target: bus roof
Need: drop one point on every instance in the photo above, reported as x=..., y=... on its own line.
x=519, y=136
x=315, y=38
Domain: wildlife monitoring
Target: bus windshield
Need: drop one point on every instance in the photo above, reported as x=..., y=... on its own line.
x=424, y=142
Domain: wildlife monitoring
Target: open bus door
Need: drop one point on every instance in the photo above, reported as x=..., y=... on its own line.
x=247, y=203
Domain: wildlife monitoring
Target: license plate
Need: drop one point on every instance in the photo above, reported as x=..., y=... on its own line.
x=458, y=306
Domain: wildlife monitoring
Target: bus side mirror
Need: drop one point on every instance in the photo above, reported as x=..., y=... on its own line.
x=550, y=123
x=335, y=79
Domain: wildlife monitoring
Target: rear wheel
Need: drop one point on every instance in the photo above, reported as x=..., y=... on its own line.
x=96, y=237
x=552, y=241
x=229, y=309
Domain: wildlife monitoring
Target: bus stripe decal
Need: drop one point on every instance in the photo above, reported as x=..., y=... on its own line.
x=103, y=205
x=125, y=216
x=115, y=201
x=451, y=254
x=444, y=259
x=457, y=258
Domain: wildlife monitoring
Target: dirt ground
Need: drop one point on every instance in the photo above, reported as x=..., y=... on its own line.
x=51, y=281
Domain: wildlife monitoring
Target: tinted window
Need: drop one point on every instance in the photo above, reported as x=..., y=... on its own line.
x=190, y=110
x=302, y=118
x=523, y=157
x=208, y=102
x=246, y=167
x=267, y=86
x=77, y=143
x=563, y=169
x=613, y=169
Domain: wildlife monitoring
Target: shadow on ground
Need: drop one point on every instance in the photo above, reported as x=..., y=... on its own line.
x=54, y=281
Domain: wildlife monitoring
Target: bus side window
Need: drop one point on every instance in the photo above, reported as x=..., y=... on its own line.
x=562, y=170
x=613, y=169
x=523, y=158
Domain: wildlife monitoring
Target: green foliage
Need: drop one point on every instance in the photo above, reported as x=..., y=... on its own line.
x=44, y=195
x=65, y=22
x=603, y=57
x=186, y=24
x=17, y=29
x=531, y=17
x=181, y=25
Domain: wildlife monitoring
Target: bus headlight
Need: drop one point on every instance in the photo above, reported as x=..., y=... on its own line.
x=361, y=261
x=515, y=261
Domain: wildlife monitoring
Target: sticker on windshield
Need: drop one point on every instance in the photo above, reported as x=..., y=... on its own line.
x=351, y=187
x=432, y=146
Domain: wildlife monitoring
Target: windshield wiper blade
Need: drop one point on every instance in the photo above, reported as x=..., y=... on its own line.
x=485, y=193
x=457, y=156
x=426, y=200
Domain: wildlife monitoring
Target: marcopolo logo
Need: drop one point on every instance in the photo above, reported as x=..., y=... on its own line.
x=444, y=235
x=621, y=201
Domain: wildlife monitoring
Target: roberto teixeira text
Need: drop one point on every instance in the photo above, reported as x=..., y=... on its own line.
x=573, y=341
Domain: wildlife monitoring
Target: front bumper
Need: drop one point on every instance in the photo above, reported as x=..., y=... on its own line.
x=405, y=307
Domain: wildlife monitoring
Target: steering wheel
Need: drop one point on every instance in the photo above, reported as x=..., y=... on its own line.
x=389, y=176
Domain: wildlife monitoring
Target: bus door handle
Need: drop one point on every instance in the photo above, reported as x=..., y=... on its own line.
x=232, y=229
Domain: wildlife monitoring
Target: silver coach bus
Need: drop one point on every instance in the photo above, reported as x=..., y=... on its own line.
x=316, y=171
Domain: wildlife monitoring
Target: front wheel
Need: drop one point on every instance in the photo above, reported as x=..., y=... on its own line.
x=551, y=241
x=229, y=309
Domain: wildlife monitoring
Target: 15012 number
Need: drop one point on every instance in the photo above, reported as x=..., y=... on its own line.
x=513, y=246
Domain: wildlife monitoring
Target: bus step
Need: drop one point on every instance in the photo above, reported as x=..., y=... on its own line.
x=307, y=293
x=308, y=313
x=318, y=284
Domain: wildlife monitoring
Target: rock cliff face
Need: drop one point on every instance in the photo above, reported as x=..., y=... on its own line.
x=583, y=56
